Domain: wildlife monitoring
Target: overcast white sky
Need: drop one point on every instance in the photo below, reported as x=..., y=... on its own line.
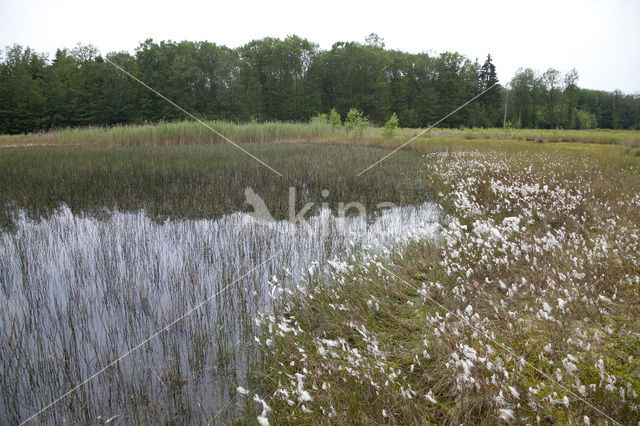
x=601, y=39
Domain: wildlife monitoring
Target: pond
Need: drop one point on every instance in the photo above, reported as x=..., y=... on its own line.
x=81, y=295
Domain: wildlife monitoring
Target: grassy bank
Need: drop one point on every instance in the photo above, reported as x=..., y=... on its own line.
x=524, y=311
x=190, y=132
x=626, y=138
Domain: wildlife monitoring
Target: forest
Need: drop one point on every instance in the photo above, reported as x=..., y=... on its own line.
x=291, y=79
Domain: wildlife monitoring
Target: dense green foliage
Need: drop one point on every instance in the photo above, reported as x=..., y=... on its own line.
x=289, y=80
x=551, y=101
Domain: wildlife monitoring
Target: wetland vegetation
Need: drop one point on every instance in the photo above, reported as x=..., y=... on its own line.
x=501, y=289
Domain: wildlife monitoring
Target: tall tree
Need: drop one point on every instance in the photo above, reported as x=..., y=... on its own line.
x=552, y=80
x=490, y=102
x=61, y=78
x=570, y=87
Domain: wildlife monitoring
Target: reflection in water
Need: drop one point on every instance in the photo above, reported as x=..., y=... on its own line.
x=77, y=292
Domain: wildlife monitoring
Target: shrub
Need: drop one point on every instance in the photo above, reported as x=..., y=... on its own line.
x=585, y=120
x=390, y=126
x=356, y=120
x=320, y=118
x=334, y=118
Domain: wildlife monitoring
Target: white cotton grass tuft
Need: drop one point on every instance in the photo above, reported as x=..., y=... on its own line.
x=506, y=414
x=262, y=418
x=514, y=392
x=242, y=391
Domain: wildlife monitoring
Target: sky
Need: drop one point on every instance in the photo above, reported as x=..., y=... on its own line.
x=601, y=39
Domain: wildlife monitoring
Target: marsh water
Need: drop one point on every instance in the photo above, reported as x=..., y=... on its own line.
x=79, y=294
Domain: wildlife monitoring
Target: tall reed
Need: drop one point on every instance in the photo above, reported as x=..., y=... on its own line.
x=191, y=132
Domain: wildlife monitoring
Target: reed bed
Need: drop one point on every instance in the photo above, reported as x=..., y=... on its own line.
x=181, y=133
x=201, y=181
x=191, y=132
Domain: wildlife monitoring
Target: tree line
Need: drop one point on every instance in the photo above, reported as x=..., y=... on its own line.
x=290, y=79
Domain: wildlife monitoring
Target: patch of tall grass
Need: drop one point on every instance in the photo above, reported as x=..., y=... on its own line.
x=627, y=138
x=191, y=132
x=202, y=181
x=181, y=133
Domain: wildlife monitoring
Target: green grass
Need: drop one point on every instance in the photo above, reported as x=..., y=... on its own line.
x=628, y=138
